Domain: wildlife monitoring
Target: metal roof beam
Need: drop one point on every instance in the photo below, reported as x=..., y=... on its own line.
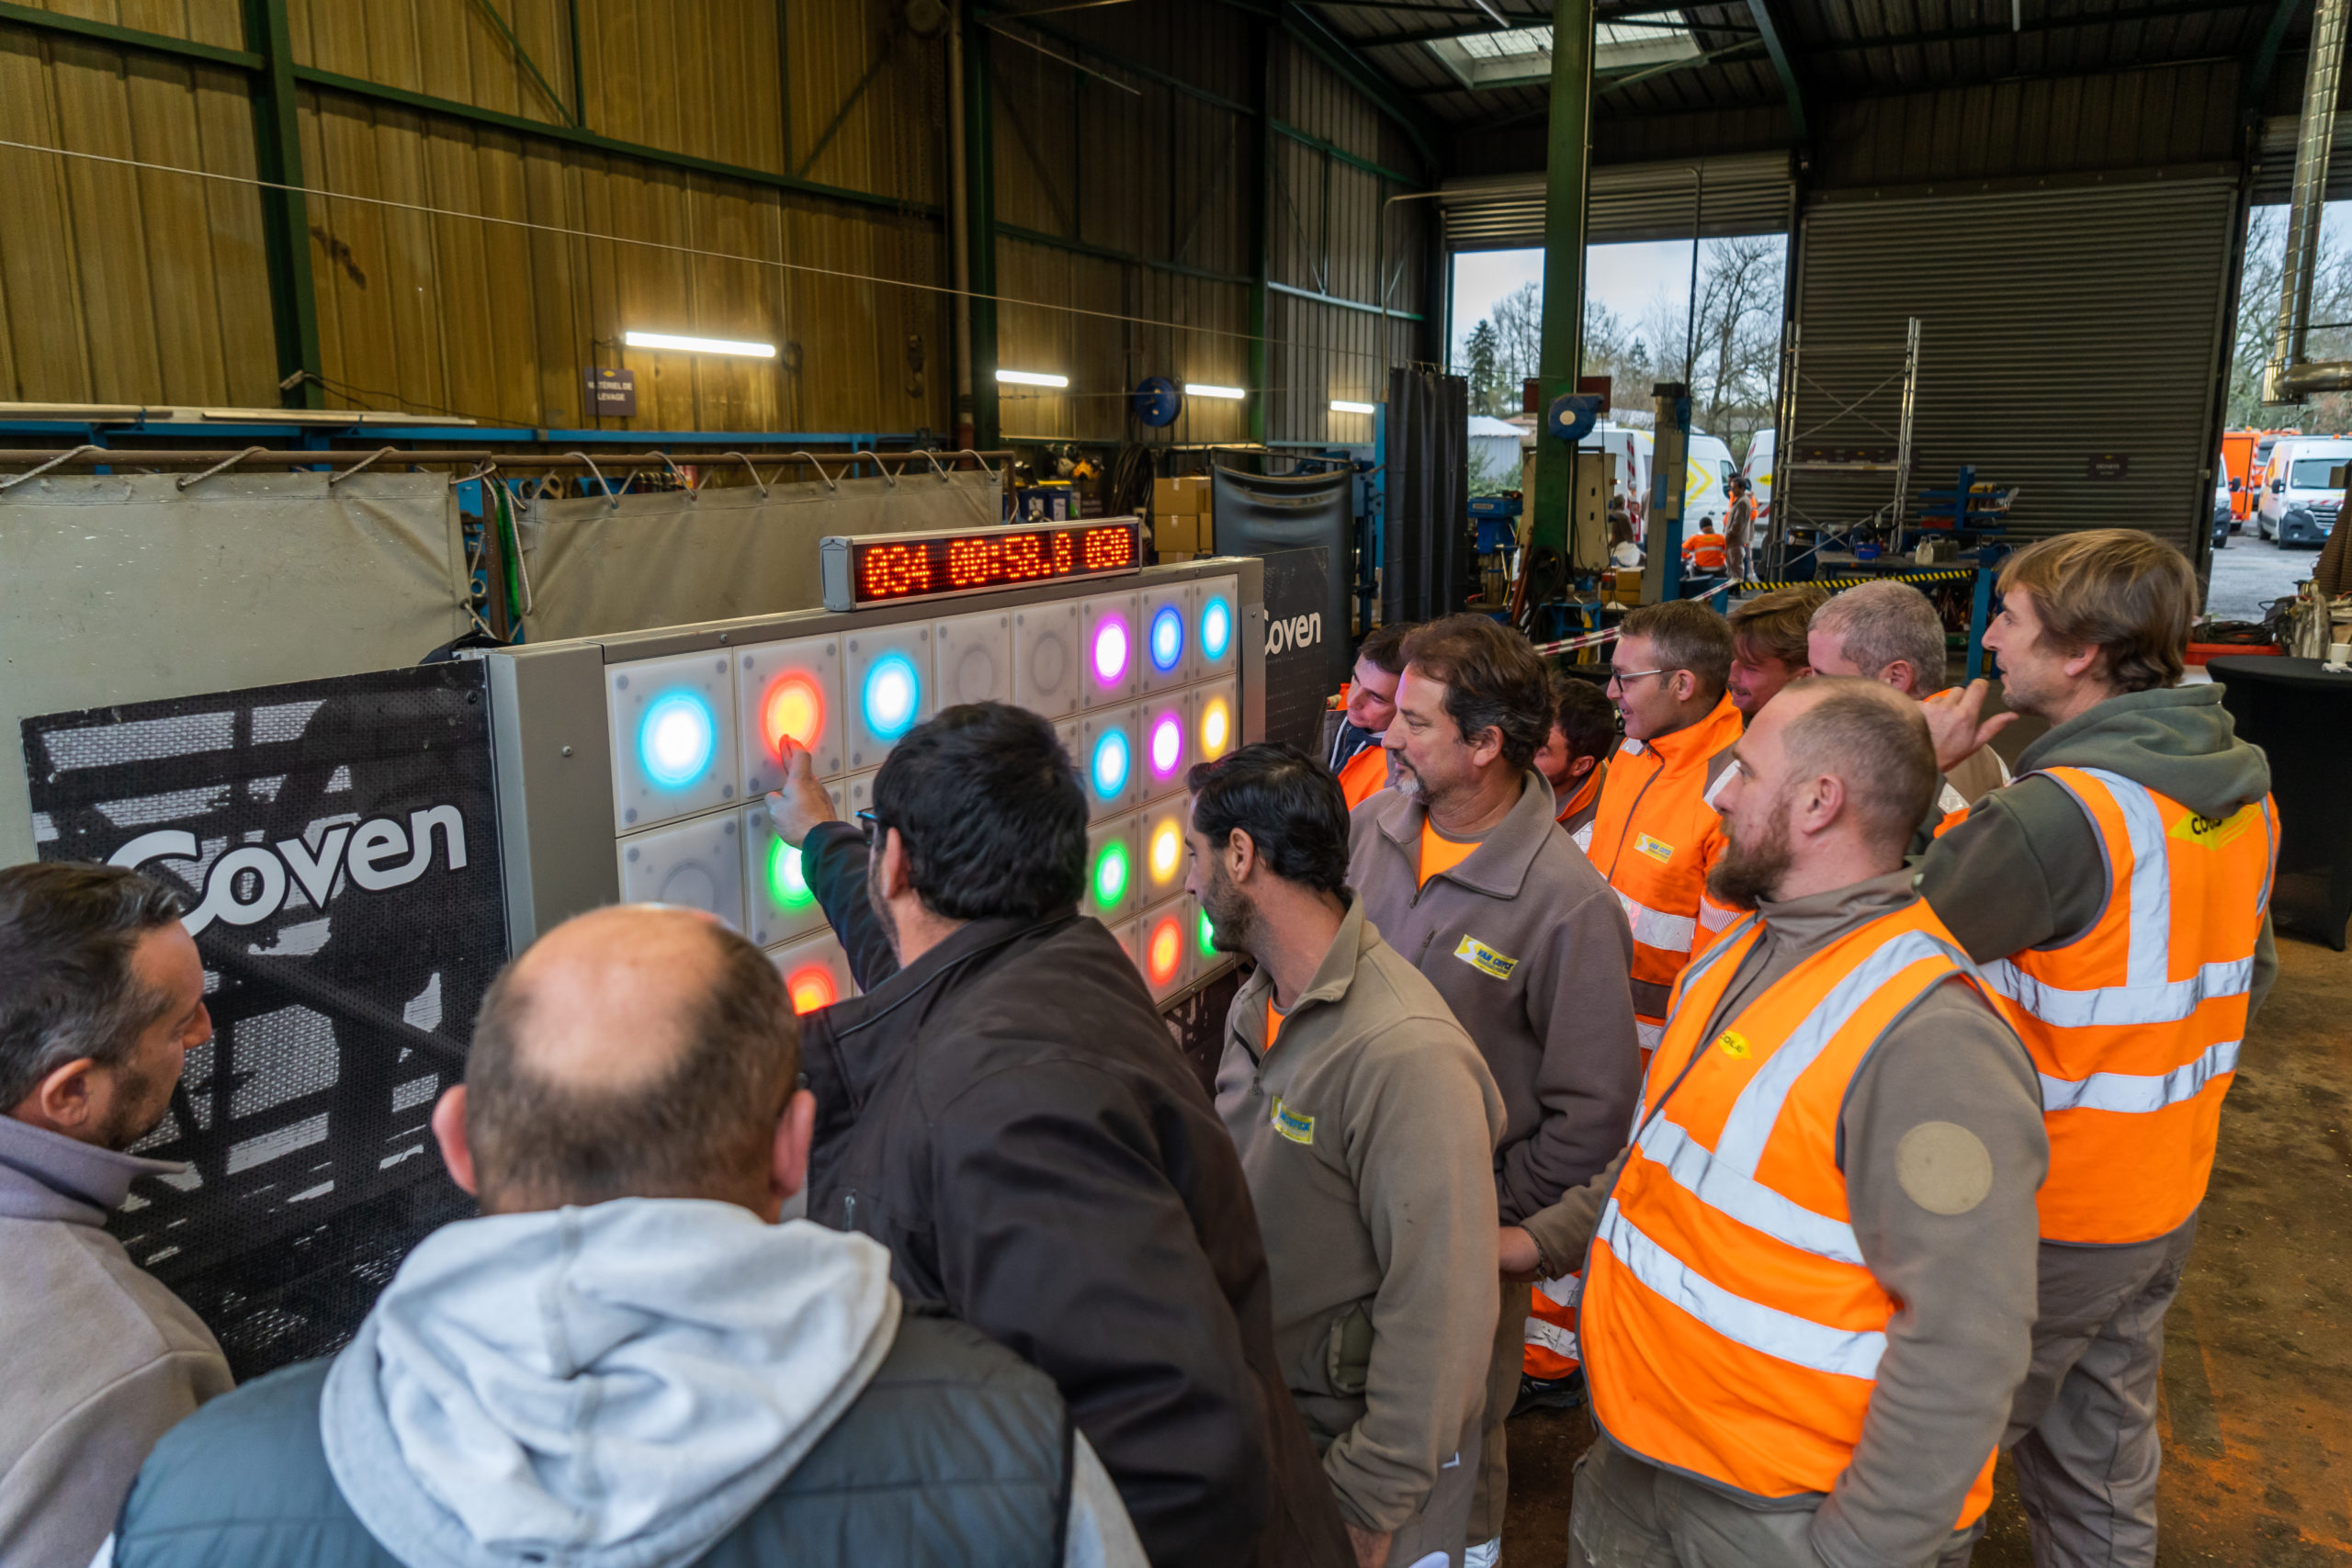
x=2265, y=58
x=1784, y=65
x=1314, y=34
x=2116, y=17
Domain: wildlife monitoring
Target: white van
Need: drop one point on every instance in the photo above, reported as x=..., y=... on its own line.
x=1759, y=468
x=1632, y=449
x=1707, y=495
x=2301, y=478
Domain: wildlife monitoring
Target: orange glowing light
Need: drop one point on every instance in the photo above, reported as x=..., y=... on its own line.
x=793, y=707
x=811, y=990
x=1216, y=728
x=1167, y=947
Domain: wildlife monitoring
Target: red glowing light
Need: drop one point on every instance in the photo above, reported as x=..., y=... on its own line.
x=1167, y=946
x=812, y=989
x=793, y=706
x=912, y=567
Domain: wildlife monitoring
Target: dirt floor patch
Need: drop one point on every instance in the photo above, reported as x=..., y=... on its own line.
x=2258, y=1386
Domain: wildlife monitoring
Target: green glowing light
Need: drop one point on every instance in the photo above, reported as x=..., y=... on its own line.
x=1207, y=936
x=1111, y=875
x=786, y=883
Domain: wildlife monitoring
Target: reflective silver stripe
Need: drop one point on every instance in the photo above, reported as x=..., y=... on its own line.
x=2167, y=1002
x=1844, y=1352
x=1656, y=928
x=1647, y=1035
x=2149, y=962
x=1951, y=800
x=1715, y=917
x=1749, y=1126
x=1744, y=1198
x=2136, y=1094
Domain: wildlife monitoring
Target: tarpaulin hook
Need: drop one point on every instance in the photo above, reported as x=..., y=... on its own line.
x=755, y=473
x=10, y=484
x=334, y=479
x=983, y=462
x=812, y=459
x=600, y=478
x=224, y=463
x=693, y=493
x=933, y=458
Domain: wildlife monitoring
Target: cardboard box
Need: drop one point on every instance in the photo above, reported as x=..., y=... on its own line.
x=1173, y=533
x=1184, y=497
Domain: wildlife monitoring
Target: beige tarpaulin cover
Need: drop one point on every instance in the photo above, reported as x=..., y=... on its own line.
x=602, y=566
x=127, y=589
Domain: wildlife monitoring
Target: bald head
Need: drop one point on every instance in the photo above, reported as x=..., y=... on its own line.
x=636, y=1051
x=1866, y=734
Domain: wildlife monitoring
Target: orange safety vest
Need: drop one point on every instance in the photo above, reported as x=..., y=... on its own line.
x=1705, y=551
x=1731, y=1328
x=1656, y=838
x=2134, y=1025
x=1364, y=774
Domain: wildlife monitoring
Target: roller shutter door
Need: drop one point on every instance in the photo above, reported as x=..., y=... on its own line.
x=2056, y=327
x=1749, y=194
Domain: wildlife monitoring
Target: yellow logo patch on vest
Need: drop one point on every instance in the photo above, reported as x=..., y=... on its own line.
x=1485, y=959
x=1660, y=853
x=2207, y=833
x=1298, y=1128
x=1735, y=1045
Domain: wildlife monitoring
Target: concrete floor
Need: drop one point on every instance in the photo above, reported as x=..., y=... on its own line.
x=2252, y=572
x=2257, y=1385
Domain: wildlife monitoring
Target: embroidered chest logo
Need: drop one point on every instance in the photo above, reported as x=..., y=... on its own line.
x=2208, y=833
x=1733, y=1043
x=1660, y=853
x=1485, y=959
x=1291, y=1124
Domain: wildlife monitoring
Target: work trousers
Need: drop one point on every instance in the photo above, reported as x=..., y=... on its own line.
x=1630, y=1514
x=2083, y=1426
x=1486, y=1508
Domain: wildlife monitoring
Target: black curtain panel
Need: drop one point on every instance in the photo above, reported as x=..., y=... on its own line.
x=1258, y=514
x=1429, y=570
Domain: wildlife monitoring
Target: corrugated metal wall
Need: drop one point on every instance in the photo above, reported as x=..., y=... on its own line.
x=469, y=266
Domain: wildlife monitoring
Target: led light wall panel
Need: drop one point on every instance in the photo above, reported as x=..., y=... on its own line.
x=1109, y=762
x=973, y=656
x=673, y=738
x=1206, y=959
x=1168, y=634
x=1112, y=655
x=1048, y=664
x=815, y=971
x=1164, y=944
x=789, y=689
x=1161, y=838
x=776, y=897
x=1216, y=622
x=887, y=687
x=696, y=864
x=1216, y=719
x=1111, y=875
x=1167, y=741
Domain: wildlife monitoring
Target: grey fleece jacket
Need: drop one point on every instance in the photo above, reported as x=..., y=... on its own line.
x=1960, y=1342
x=1531, y=950
x=1368, y=1135
x=98, y=1356
x=2026, y=869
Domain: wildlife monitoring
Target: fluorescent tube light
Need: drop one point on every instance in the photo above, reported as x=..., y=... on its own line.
x=1203, y=389
x=1340, y=405
x=699, y=344
x=1030, y=379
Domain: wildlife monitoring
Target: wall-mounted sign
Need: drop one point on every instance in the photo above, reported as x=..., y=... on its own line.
x=2110, y=466
x=866, y=569
x=612, y=394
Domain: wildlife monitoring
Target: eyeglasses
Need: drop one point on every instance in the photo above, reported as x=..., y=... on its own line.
x=1620, y=677
x=869, y=826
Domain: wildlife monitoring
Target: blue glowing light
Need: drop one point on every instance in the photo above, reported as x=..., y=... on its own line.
x=1111, y=764
x=1216, y=627
x=893, y=691
x=675, y=738
x=1167, y=638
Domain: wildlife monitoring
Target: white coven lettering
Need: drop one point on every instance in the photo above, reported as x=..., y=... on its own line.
x=379, y=855
x=1298, y=631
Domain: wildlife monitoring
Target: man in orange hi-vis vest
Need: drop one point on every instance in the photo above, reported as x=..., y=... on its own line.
x=1809, y=1293
x=1655, y=836
x=1356, y=756
x=2118, y=894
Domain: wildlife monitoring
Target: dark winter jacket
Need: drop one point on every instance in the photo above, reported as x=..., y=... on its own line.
x=1009, y=1116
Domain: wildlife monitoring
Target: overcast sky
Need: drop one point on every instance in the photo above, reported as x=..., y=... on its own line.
x=1624, y=278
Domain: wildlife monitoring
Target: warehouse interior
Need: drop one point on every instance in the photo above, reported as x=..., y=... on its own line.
x=342, y=344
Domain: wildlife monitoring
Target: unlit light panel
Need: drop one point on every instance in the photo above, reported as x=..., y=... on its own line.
x=1340, y=405
x=699, y=344
x=1030, y=379
x=1203, y=389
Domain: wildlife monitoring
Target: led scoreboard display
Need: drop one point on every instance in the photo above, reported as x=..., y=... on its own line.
x=863, y=570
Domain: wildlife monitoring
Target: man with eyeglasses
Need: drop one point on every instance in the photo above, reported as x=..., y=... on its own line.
x=1655, y=834
x=1001, y=1108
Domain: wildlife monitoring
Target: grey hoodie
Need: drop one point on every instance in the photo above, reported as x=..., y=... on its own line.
x=616, y=1386
x=2026, y=869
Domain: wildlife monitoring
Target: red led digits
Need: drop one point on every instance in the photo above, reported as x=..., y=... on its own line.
x=970, y=563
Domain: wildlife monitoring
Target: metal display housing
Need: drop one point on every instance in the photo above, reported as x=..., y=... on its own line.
x=837, y=559
x=550, y=735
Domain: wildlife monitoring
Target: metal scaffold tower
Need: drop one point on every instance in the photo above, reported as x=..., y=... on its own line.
x=1866, y=430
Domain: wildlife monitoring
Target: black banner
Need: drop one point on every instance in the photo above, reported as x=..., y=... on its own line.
x=339, y=842
x=1301, y=645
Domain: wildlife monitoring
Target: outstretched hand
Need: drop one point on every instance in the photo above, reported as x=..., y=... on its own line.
x=1957, y=725
x=801, y=803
